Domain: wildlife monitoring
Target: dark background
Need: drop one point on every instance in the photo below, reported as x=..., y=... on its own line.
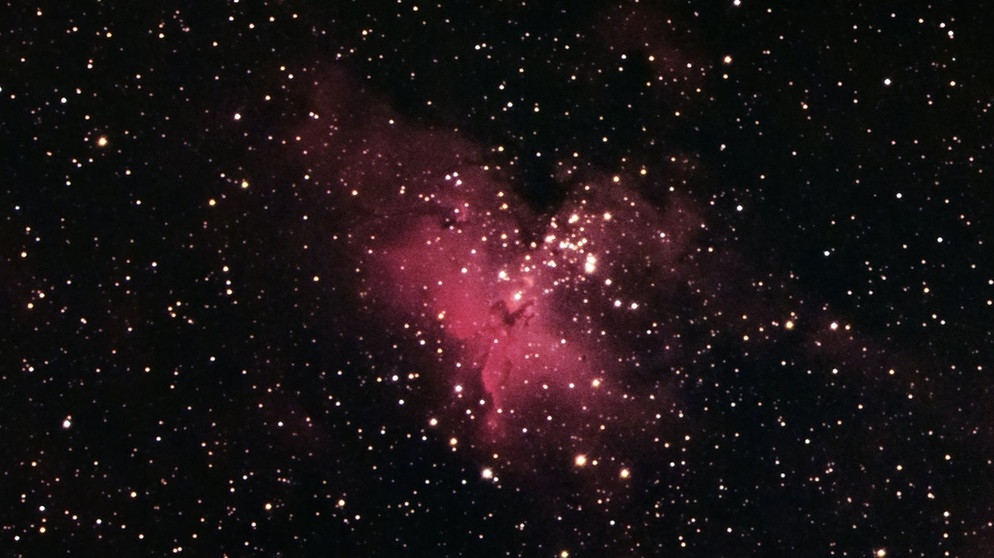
x=233, y=424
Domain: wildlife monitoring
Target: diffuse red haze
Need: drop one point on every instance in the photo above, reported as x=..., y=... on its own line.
x=558, y=324
x=563, y=340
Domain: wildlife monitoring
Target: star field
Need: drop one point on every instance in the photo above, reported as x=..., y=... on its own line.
x=516, y=279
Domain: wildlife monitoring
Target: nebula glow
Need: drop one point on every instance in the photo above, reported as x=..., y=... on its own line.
x=563, y=328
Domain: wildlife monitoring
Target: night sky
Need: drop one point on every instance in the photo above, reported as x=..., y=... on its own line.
x=537, y=279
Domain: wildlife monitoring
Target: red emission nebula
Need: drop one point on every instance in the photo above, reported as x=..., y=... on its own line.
x=564, y=332
x=527, y=312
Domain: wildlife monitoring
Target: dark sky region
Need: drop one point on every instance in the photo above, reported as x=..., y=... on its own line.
x=559, y=279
